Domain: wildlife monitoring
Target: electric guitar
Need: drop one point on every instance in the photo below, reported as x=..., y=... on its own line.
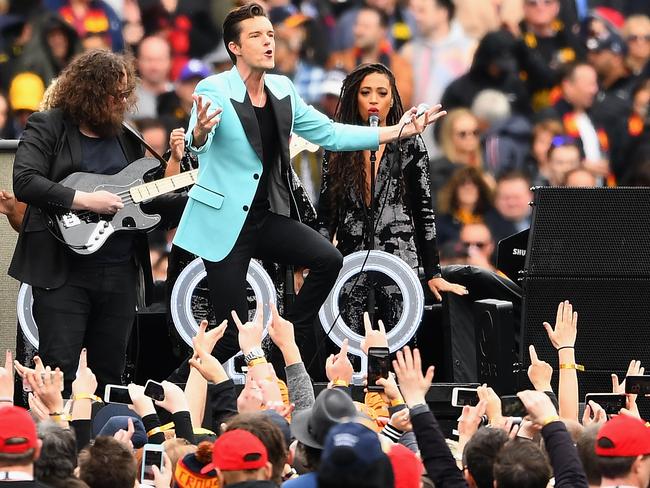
x=85, y=232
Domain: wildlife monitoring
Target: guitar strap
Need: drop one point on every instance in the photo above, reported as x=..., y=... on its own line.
x=144, y=143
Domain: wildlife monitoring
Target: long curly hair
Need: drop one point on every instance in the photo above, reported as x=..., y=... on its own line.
x=347, y=170
x=89, y=87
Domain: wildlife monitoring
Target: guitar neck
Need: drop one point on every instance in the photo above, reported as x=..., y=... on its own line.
x=156, y=188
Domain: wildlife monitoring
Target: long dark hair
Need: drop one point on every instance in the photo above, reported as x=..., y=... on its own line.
x=347, y=170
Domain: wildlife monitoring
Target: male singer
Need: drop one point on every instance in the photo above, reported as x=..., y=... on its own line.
x=242, y=204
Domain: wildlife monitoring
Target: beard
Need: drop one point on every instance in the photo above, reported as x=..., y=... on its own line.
x=109, y=126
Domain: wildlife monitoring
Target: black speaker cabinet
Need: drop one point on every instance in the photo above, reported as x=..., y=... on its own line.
x=590, y=246
x=496, y=357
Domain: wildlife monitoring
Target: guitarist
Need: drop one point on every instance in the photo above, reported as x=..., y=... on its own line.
x=241, y=204
x=80, y=300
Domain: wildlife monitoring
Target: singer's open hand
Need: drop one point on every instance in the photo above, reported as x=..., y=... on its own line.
x=409, y=125
x=416, y=125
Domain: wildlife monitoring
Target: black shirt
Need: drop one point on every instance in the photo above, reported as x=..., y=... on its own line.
x=104, y=155
x=270, y=150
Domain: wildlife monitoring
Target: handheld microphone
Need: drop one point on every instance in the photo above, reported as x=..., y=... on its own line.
x=373, y=120
x=422, y=108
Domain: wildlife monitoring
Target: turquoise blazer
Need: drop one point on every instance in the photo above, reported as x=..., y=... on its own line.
x=230, y=162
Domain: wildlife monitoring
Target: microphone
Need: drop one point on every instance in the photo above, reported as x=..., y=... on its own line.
x=421, y=109
x=373, y=120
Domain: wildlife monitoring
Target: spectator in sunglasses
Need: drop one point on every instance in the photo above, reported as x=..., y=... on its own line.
x=636, y=33
x=461, y=146
x=478, y=241
x=564, y=156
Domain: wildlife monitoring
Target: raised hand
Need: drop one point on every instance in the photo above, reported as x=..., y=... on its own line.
x=163, y=479
x=140, y=403
x=7, y=380
x=373, y=338
x=281, y=331
x=539, y=406
x=391, y=391
x=250, y=333
x=412, y=383
x=493, y=407
x=251, y=398
x=470, y=420
x=539, y=372
x=175, y=400
x=206, y=364
x=23, y=370
x=204, y=122
x=85, y=382
x=177, y=143
x=440, y=285
x=401, y=420
x=593, y=414
x=47, y=387
x=566, y=326
x=339, y=367
x=207, y=339
x=125, y=436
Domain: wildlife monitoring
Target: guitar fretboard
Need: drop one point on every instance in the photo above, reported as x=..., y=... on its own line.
x=156, y=188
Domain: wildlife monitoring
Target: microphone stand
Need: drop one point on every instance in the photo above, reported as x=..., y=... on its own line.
x=371, y=304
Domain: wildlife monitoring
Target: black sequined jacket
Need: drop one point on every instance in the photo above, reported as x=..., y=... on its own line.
x=406, y=226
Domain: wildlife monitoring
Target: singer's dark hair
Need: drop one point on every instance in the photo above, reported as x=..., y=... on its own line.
x=347, y=170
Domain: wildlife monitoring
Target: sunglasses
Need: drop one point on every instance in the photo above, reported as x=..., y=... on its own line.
x=478, y=244
x=558, y=141
x=635, y=38
x=533, y=3
x=466, y=133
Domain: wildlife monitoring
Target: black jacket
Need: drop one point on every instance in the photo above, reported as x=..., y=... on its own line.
x=50, y=150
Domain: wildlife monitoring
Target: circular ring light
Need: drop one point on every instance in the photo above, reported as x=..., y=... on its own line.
x=25, y=314
x=191, y=276
x=406, y=279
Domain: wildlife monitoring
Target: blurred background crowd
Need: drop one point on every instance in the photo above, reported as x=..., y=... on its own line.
x=538, y=91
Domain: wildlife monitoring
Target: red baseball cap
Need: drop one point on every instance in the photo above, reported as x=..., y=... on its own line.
x=237, y=450
x=17, y=430
x=623, y=436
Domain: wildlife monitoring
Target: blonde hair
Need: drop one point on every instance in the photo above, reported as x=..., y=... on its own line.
x=446, y=135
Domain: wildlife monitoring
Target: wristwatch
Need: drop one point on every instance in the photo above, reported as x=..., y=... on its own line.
x=255, y=353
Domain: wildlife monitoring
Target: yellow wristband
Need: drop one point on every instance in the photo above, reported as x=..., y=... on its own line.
x=397, y=402
x=86, y=396
x=577, y=367
x=60, y=417
x=552, y=418
x=154, y=431
x=256, y=361
x=338, y=382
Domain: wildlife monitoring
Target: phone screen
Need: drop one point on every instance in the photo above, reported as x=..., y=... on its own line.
x=611, y=402
x=378, y=366
x=465, y=396
x=118, y=394
x=637, y=385
x=154, y=390
x=512, y=406
x=150, y=459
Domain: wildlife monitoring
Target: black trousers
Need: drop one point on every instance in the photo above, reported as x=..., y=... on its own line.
x=95, y=309
x=269, y=236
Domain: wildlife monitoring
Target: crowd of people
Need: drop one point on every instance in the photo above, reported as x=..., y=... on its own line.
x=281, y=432
x=473, y=105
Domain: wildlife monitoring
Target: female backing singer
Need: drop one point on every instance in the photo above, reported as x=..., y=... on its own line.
x=404, y=217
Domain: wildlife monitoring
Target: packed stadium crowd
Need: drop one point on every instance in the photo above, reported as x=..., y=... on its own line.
x=535, y=92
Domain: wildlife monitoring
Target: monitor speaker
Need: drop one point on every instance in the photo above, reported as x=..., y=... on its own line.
x=590, y=246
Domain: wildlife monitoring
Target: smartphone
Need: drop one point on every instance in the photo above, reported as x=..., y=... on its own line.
x=154, y=390
x=152, y=455
x=27, y=386
x=637, y=385
x=378, y=366
x=512, y=406
x=117, y=394
x=464, y=396
x=611, y=402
